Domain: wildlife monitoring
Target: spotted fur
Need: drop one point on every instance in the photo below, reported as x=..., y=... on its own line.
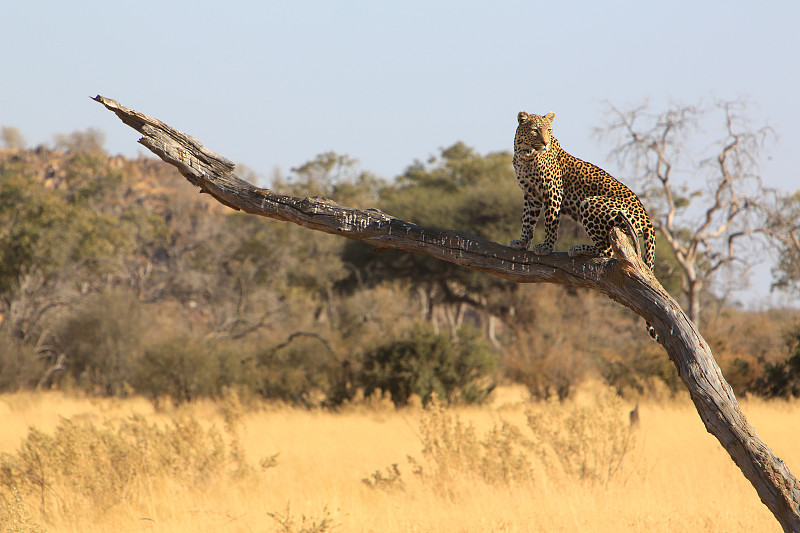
x=555, y=183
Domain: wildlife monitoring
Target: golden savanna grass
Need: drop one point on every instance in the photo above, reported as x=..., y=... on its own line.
x=371, y=468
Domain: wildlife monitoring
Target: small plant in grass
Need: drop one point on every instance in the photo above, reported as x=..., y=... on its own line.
x=452, y=449
x=288, y=523
x=389, y=481
x=232, y=413
x=270, y=461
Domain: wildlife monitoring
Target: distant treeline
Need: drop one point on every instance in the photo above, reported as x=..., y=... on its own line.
x=116, y=278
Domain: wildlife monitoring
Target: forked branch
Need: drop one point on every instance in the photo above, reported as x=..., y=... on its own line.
x=625, y=279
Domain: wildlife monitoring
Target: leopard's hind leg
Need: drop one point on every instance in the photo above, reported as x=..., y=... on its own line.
x=597, y=215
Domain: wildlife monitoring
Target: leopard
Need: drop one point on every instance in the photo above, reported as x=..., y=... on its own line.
x=555, y=183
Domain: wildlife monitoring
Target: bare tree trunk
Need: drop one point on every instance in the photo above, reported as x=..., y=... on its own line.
x=58, y=366
x=626, y=280
x=693, y=293
x=491, y=330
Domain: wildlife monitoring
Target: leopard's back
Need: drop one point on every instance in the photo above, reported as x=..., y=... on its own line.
x=583, y=180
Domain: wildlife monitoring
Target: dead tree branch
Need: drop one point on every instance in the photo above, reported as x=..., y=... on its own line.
x=625, y=279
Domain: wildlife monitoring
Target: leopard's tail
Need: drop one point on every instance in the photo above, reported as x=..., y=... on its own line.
x=632, y=235
x=649, y=257
x=649, y=237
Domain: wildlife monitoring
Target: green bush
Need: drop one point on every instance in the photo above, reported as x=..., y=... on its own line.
x=781, y=379
x=302, y=370
x=424, y=362
x=20, y=367
x=102, y=340
x=185, y=369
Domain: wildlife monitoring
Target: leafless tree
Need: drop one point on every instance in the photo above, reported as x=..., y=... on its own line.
x=12, y=138
x=707, y=224
x=782, y=228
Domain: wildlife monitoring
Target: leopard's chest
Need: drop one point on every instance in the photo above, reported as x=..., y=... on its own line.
x=535, y=179
x=544, y=179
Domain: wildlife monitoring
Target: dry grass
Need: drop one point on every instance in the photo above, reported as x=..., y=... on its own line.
x=477, y=469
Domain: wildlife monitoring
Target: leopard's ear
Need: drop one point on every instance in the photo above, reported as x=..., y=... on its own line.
x=550, y=116
x=523, y=117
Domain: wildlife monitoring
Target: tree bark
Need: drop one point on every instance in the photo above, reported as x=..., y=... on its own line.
x=625, y=279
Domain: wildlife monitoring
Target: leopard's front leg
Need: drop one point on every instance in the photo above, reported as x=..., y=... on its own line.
x=552, y=212
x=530, y=216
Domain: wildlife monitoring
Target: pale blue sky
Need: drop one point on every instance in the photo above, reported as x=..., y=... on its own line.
x=272, y=84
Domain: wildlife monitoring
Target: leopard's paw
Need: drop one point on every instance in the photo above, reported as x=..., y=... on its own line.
x=543, y=249
x=520, y=244
x=588, y=250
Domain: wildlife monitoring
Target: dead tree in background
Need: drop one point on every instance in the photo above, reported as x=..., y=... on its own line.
x=625, y=280
x=782, y=229
x=709, y=237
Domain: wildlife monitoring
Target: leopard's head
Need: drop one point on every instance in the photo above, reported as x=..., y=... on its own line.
x=534, y=133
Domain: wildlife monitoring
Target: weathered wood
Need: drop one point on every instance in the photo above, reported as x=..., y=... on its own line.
x=625, y=280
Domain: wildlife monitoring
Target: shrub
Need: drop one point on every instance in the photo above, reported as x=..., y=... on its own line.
x=424, y=363
x=450, y=448
x=781, y=379
x=102, y=339
x=100, y=465
x=303, y=370
x=308, y=524
x=185, y=369
x=587, y=442
x=20, y=366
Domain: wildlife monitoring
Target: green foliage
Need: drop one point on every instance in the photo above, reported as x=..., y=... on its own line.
x=30, y=219
x=139, y=285
x=302, y=369
x=53, y=228
x=20, y=367
x=782, y=379
x=667, y=269
x=458, y=190
x=462, y=190
x=103, y=339
x=334, y=176
x=184, y=369
x=638, y=371
x=784, y=229
x=425, y=363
